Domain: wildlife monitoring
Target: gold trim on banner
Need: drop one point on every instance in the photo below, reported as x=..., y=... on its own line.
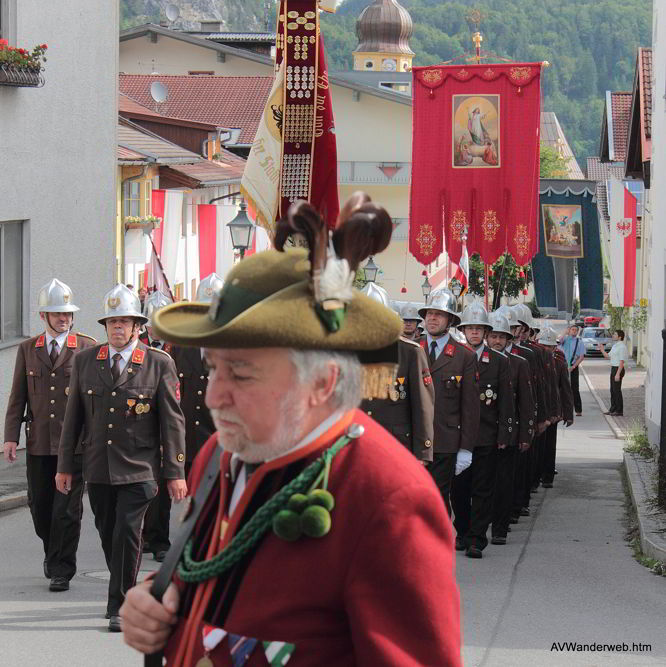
x=426, y=239
x=458, y=224
x=522, y=239
x=490, y=225
x=432, y=76
x=520, y=74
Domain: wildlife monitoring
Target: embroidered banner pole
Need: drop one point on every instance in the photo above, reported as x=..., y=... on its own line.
x=475, y=160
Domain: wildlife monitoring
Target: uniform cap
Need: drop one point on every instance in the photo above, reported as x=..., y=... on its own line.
x=499, y=323
x=548, y=336
x=55, y=297
x=207, y=287
x=445, y=302
x=474, y=314
x=122, y=302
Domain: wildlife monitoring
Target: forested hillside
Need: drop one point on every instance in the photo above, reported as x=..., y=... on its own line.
x=591, y=44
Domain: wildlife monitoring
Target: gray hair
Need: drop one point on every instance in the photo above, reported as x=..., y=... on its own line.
x=310, y=364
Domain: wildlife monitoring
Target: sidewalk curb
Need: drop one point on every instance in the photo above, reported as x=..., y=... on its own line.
x=13, y=500
x=617, y=431
x=649, y=528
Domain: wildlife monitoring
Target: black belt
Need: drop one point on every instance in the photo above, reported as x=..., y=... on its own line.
x=191, y=515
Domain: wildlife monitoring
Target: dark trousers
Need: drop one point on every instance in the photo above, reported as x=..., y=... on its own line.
x=617, y=404
x=156, y=521
x=442, y=470
x=575, y=389
x=56, y=516
x=504, y=485
x=521, y=485
x=536, y=466
x=119, y=511
x=472, y=497
x=549, y=451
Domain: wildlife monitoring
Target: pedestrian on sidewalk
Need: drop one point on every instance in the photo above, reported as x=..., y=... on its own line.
x=619, y=356
x=38, y=397
x=574, y=353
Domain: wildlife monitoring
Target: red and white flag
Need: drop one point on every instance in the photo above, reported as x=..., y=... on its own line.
x=462, y=272
x=622, y=209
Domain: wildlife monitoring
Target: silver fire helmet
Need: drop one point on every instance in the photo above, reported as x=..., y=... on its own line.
x=122, y=302
x=500, y=323
x=154, y=302
x=207, y=287
x=444, y=301
x=510, y=314
x=410, y=311
x=377, y=293
x=524, y=314
x=548, y=336
x=55, y=297
x=474, y=314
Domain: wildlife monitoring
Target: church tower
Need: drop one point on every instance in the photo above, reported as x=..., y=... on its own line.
x=383, y=31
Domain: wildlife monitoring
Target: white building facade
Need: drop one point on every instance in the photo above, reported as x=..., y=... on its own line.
x=57, y=182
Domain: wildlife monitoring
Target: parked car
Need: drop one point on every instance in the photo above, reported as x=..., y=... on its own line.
x=592, y=336
x=591, y=321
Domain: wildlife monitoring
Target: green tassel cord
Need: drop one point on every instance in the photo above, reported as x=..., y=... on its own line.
x=298, y=508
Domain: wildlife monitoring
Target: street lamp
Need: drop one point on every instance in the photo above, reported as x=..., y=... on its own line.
x=456, y=289
x=426, y=287
x=241, y=229
x=370, y=270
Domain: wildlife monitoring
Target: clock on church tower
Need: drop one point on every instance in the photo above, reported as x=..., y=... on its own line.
x=389, y=64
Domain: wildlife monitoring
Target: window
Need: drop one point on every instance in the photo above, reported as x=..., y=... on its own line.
x=195, y=219
x=193, y=287
x=11, y=280
x=141, y=282
x=132, y=198
x=201, y=72
x=178, y=292
x=147, y=197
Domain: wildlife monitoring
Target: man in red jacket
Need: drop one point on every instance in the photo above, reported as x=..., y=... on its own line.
x=337, y=561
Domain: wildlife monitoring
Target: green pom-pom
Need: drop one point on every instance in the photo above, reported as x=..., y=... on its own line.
x=315, y=521
x=321, y=497
x=287, y=525
x=298, y=502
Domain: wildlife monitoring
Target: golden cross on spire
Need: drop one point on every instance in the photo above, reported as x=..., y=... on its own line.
x=477, y=38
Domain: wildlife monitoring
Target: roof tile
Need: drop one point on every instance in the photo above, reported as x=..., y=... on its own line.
x=645, y=55
x=219, y=100
x=621, y=115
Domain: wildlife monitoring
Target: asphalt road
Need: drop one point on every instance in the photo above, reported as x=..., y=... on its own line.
x=567, y=575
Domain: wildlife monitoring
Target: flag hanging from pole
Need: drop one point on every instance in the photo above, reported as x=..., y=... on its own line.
x=462, y=272
x=622, y=209
x=294, y=153
x=475, y=160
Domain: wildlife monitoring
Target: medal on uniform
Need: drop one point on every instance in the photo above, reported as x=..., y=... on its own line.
x=394, y=394
x=482, y=397
x=211, y=637
x=403, y=393
x=66, y=391
x=146, y=407
x=489, y=393
x=130, y=403
x=139, y=409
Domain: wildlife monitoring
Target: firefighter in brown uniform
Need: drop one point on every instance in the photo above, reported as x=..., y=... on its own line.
x=158, y=514
x=500, y=340
x=38, y=397
x=411, y=320
x=408, y=412
x=548, y=338
x=453, y=369
x=473, y=489
x=124, y=398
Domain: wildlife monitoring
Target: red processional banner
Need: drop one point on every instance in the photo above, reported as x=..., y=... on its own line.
x=475, y=161
x=207, y=218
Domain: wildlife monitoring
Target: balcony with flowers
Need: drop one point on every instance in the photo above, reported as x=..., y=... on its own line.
x=20, y=67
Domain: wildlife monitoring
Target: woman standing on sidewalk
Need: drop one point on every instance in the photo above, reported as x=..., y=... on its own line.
x=619, y=356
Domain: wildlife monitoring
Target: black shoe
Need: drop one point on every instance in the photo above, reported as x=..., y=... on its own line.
x=159, y=556
x=535, y=488
x=555, y=471
x=497, y=540
x=513, y=519
x=460, y=545
x=107, y=616
x=525, y=511
x=610, y=412
x=508, y=529
x=618, y=414
x=115, y=624
x=59, y=584
x=47, y=574
x=473, y=552
x=547, y=485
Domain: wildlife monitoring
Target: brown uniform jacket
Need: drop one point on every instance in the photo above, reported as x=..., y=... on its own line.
x=123, y=423
x=547, y=377
x=40, y=389
x=457, y=407
x=495, y=399
x=409, y=412
x=193, y=377
x=564, y=388
x=523, y=398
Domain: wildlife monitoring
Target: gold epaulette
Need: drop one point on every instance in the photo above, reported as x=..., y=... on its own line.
x=409, y=340
x=78, y=333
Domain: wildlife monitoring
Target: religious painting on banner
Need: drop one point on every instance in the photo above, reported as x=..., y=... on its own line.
x=294, y=153
x=563, y=230
x=476, y=120
x=475, y=161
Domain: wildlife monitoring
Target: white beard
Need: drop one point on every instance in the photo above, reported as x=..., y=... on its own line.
x=284, y=437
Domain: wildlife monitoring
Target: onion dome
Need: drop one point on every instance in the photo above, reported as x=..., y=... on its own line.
x=385, y=27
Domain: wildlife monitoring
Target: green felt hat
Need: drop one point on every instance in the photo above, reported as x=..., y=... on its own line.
x=267, y=301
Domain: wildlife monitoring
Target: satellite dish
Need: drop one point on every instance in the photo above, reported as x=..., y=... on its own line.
x=172, y=12
x=158, y=91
